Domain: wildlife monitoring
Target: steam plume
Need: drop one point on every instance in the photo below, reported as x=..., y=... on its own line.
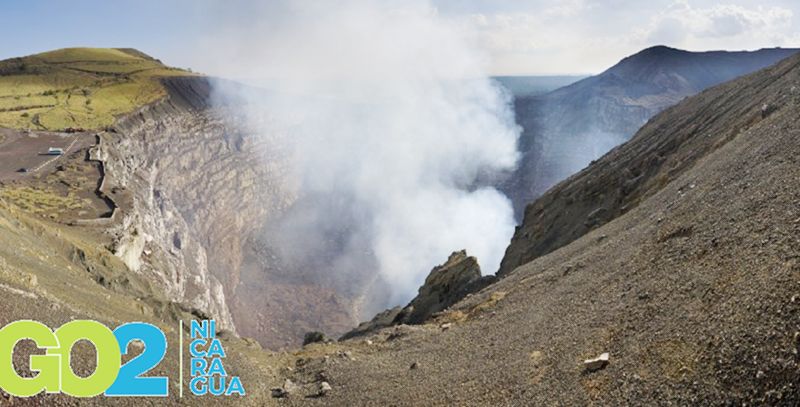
x=392, y=123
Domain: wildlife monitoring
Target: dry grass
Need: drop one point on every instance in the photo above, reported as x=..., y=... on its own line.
x=41, y=201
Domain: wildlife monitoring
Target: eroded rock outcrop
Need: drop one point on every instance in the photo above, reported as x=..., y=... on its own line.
x=445, y=285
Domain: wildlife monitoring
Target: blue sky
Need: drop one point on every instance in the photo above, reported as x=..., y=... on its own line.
x=158, y=27
x=520, y=37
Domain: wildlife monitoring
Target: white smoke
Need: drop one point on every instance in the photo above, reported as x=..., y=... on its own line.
x=393, y=123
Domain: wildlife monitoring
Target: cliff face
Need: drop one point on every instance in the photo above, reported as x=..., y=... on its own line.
x=191, y=188
x=566, y=129
x=196, y=188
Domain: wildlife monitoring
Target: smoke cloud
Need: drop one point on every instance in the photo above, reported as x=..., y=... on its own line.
x=394, y=132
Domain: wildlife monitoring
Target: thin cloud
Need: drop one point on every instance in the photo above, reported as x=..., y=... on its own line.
x=588, y=36
x=690, y=25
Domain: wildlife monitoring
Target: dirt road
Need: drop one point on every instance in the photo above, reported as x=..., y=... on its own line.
x=19, y=149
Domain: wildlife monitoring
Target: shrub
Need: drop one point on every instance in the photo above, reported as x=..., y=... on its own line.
x=314, y=337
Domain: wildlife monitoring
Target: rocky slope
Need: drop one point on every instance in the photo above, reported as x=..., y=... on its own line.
x=636, y=170
x=676, y=253
x=567, y=128
x=690, y=282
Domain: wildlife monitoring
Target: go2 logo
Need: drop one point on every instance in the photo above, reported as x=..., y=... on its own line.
x=55, y=374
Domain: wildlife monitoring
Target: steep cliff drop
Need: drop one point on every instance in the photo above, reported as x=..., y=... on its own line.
x=203, y=186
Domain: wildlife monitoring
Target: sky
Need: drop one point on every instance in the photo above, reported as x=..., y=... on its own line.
x=518, y=37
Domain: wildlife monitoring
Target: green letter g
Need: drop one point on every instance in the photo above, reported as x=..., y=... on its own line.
x=47, y=366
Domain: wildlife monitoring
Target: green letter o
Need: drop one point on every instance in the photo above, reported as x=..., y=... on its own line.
x=108, y=358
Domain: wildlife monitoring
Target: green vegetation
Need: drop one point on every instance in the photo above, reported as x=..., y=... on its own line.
x=78, y=87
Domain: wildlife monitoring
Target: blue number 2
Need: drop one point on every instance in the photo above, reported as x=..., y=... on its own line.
x=129, y=381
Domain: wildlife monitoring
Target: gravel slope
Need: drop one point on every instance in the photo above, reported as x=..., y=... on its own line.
x=694, y=291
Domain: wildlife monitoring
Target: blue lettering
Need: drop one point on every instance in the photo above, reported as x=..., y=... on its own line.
x=199, y=366
x=193, y=348
x=235, y=387
x=199, y=386
x=216, y=368
x=215, y=349
x=201, y=329
x=217, y=387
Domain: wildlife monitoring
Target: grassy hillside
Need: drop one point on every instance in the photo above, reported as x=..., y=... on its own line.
x=78, y=87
